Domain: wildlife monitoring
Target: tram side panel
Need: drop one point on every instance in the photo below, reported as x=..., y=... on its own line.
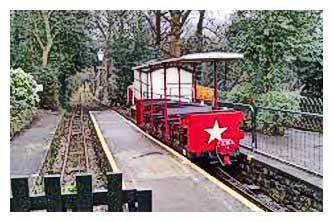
x=196, y=135
x=211, y=133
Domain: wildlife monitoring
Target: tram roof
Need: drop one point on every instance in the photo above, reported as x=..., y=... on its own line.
x=194, y=58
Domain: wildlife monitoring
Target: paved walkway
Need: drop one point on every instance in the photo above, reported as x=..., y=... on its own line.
x=145, y=165
x=28, y=149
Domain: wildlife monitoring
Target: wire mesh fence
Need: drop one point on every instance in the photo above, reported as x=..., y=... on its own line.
x=293, y=137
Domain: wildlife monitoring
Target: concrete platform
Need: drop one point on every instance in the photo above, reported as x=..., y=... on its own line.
x=145, y=165
x=28, y=149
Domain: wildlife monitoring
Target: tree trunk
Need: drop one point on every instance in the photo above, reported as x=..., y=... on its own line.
x=158, y=16
x=175, y=24
x=49, y=39
x=200, y=30
x=46, y=52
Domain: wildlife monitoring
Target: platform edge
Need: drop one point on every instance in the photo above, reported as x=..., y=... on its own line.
x=186, y=161
x=104, y=145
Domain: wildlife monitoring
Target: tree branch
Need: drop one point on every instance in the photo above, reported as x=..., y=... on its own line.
x=34, y=31
x=99, y=26
x=49, y=36
x=150, y=23
x=166, y=18
x=184, y=17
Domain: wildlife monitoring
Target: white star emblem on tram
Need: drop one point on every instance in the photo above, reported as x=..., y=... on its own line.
x=215, y=132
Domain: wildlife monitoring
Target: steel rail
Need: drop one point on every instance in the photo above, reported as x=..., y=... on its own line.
x=84, y=141
x=234, y=184
x=240, y=188
x=69, y=138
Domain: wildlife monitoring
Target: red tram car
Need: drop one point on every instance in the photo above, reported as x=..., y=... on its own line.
x=166, y=105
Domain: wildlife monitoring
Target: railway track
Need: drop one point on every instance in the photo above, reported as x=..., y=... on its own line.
x=229, y=177
x=76, y=158
x=252, y=192
x=74, y=149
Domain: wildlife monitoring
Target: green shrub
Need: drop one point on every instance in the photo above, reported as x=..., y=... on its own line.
x=23, y=99
x=275, y=122
x=269, y=122
x=240, y=94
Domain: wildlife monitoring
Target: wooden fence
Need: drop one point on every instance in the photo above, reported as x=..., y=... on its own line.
x=83, y=200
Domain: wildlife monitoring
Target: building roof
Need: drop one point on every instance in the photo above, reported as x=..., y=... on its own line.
x=195, y=58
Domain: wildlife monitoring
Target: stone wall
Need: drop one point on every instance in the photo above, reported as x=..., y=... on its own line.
x=285, y=189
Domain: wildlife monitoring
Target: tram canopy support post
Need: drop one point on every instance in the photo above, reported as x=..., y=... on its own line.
x=194, y=80
x=140, y=77
x=151, y=99
x=215, y=85
x=166, y=126
x=179, y=79
x=225, y=74
x=141, y=102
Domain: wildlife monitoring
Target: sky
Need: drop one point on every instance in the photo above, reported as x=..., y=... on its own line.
x=219, y=17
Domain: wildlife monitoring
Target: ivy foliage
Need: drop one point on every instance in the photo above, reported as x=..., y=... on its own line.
x=279, y=47
x=282, y=63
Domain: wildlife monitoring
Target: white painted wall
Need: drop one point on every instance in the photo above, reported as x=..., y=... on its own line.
x=158, y=84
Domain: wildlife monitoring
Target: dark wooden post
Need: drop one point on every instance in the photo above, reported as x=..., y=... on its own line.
x=20, y=191
x=114, y=194
x=131, y=198
x=53, y=193
x=144, y=198
x=84, y=201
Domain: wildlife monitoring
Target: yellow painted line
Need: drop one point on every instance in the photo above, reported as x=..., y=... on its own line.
x=106, y=149
x=104, y=145
x=186, y=161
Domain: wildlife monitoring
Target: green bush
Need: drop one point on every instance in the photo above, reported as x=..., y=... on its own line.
x=240, y=94
x=269, y=122
x=23, y=99
x=275, y=122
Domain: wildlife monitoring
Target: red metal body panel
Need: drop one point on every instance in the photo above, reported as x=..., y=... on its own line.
x=199, y=127
x=139, y=111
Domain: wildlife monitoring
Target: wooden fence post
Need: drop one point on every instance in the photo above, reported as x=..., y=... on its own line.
x=20, y=191
x=144, y=198
x=131, y=199
x=114, y=193
x=53, y=193
x=84, y=193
